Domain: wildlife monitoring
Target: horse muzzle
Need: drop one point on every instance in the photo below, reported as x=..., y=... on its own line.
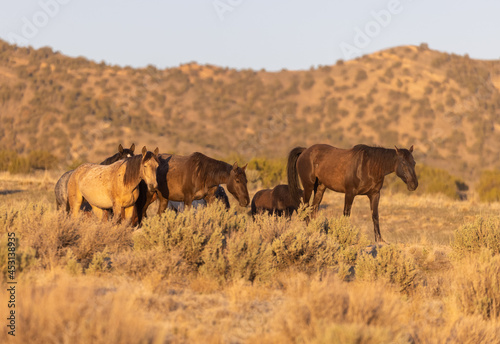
x=412, y=186
x=245, y=202
x=152, y=187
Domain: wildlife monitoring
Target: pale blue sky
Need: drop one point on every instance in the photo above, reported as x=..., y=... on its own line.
x=270, y=34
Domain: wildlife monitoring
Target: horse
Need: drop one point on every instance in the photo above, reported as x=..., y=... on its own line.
x=61, y=188
x=196, y=176
x=113, y=186
x=277, y=201
x=219, y=195
x=356, y=171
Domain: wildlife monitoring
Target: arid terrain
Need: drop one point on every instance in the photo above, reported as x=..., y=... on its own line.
x=216, y=276
x=213, y=276
x=448, y=106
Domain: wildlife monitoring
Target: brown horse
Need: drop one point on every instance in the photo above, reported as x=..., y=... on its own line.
x=61, y=188
x=114, y=186
x=357, y=171
x=196, y=176
x=277, y=201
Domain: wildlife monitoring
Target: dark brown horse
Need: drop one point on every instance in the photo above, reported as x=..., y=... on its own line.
x=61, y=188
x=356, y=171
x=196, y=176
x=277, y=201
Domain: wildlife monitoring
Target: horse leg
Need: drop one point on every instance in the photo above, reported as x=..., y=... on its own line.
x=75, y=199
x=129, y=214
x=101, y=214
x=117, y=212
x=318, y=197
x=188, y=201
x=163, y=203
x=349, y=198
x=374, y=199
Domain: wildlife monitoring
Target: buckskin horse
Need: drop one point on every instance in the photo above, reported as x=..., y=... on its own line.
x=277, y=201
x=61, y=188
x=196, y=176
x=356, y=171
x=114, y=186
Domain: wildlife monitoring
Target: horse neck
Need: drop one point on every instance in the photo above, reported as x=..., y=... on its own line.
x=221, y=174
x=387, y=162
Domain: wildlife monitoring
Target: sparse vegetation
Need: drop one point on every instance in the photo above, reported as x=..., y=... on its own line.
x=282, y=278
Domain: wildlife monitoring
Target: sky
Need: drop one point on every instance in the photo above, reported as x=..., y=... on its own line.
x=256, y=34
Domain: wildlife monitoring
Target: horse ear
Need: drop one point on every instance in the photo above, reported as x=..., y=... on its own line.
x=132, y=148
x=235, y=166
x=244, y=167
x=144, y=150
x=120, y=148
x=397, y=149
x=156, y=151
x=411, y=149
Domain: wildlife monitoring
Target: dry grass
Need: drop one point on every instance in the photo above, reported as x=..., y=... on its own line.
x=215, y=277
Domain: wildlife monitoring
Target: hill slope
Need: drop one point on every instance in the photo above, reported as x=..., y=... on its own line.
x=448, y=106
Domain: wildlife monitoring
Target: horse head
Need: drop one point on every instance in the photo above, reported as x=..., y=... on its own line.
x=126, y=153
x=405, y=167
x=237, y=184
x=149, y=164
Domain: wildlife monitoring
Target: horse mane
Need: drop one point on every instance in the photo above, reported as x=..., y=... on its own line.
x=133, y=167
x=379, y=155
x=209, y=170
x=111, y=159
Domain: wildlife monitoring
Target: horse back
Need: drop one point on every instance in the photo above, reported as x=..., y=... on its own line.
x=97, y=183
x=326, y=164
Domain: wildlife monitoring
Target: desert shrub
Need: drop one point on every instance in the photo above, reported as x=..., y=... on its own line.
x=329, y=81
x=272, y=171
x=308, y=82
x=51, y=235
x=42, y=160
x=250, y=257
x=488, y=187
x=189, y=232
x=477, y=288
x=5, y=158
x=19, y=164
x=361, y=75
x=482, y=233
x=390, y=264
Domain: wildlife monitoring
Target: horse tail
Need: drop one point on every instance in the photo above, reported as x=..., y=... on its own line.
x=293, y=176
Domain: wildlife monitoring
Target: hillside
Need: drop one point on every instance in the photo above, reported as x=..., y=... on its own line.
x=448, y=106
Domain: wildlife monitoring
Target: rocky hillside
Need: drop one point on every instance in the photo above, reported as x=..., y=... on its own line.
x=448, y=106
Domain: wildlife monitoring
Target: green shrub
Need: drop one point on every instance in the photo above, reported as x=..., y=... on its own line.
x=488, y=187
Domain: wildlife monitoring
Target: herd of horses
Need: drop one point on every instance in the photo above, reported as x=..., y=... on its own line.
x=125, y=185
